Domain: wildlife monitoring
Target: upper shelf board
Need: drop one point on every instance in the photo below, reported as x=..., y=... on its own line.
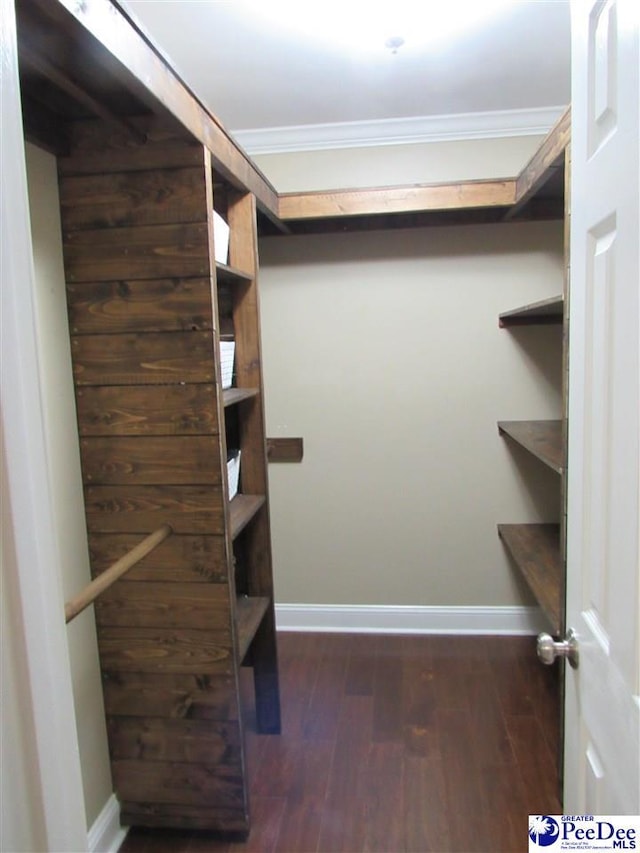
x=546, y=311
x=542, y=175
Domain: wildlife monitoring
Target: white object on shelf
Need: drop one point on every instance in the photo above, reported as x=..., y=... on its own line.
x=227, y=352
x=233, y=473
x=220, y=239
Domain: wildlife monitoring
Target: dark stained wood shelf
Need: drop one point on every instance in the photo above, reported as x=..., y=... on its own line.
x=285, y=449
x=535, y=549
x=242, y=509
x=536, y=193
x=250, y=611
x=231, y=275
x=546, y=312
x=541, y=438
x=232, y=396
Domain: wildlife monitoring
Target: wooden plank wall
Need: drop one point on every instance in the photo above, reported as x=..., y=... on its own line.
x=141, y=298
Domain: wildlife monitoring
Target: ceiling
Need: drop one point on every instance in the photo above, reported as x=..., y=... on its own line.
x=257, y=71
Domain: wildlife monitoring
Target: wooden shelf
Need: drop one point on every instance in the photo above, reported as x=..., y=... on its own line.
x=547, y=311
x=231, y=275
x=535, y=549
x=285, y=449
x=242, y=509
x=249, y=614
x=541, y=438
x=232, y=396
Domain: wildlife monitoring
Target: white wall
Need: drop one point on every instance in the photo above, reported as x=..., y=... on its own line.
x=64, y=473
x=382, y=350
x=22, y=822
x=416, y=163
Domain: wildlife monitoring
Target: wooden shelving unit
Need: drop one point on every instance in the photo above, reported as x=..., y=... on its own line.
x=226, y=273
x=543, y=439
x=241, y=510
x=538, y=550
x=249, y=615
x=148, y=306
x=546, y=311
x=535, y=549
x=233, y=396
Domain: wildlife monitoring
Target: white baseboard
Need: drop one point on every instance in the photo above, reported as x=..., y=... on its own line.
x=390, y=619
x=106, y=835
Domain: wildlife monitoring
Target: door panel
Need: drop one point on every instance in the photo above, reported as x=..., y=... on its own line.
x=602, y=718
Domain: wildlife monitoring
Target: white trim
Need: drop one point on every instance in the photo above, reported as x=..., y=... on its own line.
x=392, y=619
x=399, y=131
x=106, y=835
x=35, y=574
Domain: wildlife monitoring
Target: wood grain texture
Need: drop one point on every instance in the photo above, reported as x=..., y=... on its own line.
x=475, y=733
x=148, y=69
x=178, y=783
x=232, y=275
x=150, y=604
x=180, y=650
x=285, y=449
x=182, y=559
x=151, y=460
x=211, y=817
x=535, y=549
x=249, y=614
x=172, y=695
x=157, y=197
x=167, y=146
x=233, y=396
x=169, y=304
x=464, y=194
x=141, y=509
x=543, y=439
x=172, y=357
x=182, y=740
x=536, y=171
x=147, y=410
x=242, y=510
x=158, y=251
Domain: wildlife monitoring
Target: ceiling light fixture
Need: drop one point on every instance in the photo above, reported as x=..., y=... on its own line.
x=393, y=43
x=370, y=25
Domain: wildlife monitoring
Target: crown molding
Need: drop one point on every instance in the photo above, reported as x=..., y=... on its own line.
x=398, y=131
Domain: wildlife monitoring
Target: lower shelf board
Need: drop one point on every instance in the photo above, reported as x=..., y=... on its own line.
x=242, y=509
x=250, y=611
x=535, y=549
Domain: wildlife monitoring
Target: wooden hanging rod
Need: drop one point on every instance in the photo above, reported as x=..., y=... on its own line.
x=116, y=570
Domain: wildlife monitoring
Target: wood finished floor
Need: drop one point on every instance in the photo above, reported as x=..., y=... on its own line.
x=397, y=744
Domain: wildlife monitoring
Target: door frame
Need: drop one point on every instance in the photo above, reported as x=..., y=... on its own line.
x=32, y=574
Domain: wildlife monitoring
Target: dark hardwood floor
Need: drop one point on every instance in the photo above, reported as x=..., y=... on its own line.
x=397, y=743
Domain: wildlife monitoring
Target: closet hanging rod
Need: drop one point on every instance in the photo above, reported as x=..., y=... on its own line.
x=97, y=586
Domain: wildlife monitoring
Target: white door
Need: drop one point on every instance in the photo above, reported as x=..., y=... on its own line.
x=602, y=711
